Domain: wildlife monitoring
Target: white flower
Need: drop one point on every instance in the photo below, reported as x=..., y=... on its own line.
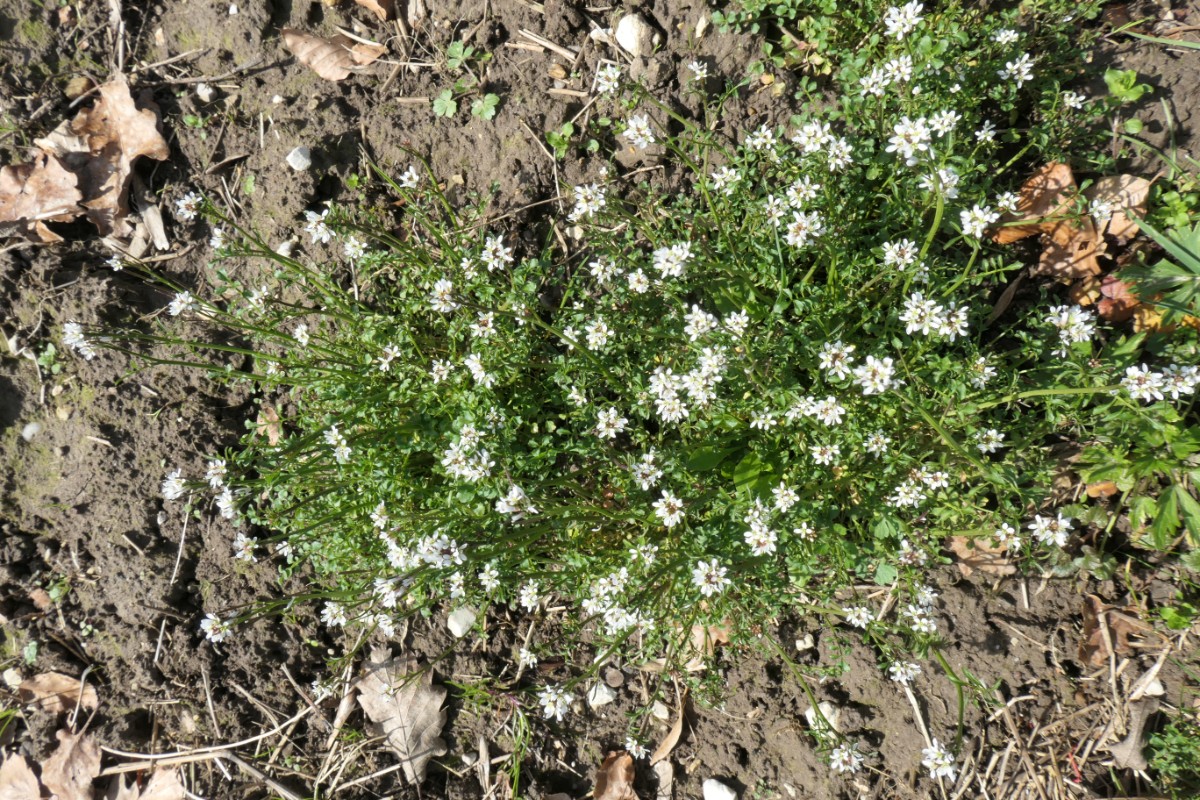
x=481, y=376
x=516, y=504
x=610, y=423
x=986, y=131
x=1052, y=530
x=763, y=420
x=489, y=578
x=410, y=178
x=1007, y=537
x=495, y=254
x=785, y=497
x=845, y=758
x=598, y=334
x=899, y=69
x=529, y=596
x=182, y=303
x=670, y=261
x=1144, y=384
x=858, y=616
x=589, y=200
x=1074, y=325
x=989, y=441
x=1180, y=380
x=390, y=353
x=316, y=227
x=877, y=443
x=875, y=375
x=442, y=297
x=72, y=337
x=904, y=671
x=944, y=181
x=556, y=702
x=709, y=577
x=762, y=140
x=1005, y=36
x=976, y=221
x=353, y=248
x=1018, y=71
x=526, y=659
x=943, y=122
x=839, y=154
x=646, y=472
x=214, y=629
x=188, y=206
x=1073, y=100
x=638, y=282
x=440, y=370
x=243, y=547
x=216, y=240
x=698, y=69
x=300, y=334
x=669, y=509
x=825, y=453
x=638, y=131
x=804, y=226
x=225, y=503
x=635, y=748
x=608, y=78
x=216, y=472
x=939, y=761
x=909, y=137
x=812, y=136
x=333, y=615
x=899, y=21
x=736, y=323
x=900, y=254
x=172, y=486
x=875, y=82
x=725, y=179
x=981, y=372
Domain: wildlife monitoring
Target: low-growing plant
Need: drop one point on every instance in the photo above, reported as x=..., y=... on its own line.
x=735, y=395
x=1174, y=755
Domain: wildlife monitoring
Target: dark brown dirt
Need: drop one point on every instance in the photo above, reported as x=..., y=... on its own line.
x=81, y=514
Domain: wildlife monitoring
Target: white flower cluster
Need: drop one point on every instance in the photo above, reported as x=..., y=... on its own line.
x=603, y=602
x=73, y=338
x=335, y=439
x=709, y=577
x=931, y=318
x=939, y=761
x=876, y=375
x=589, y=200
x=516, y=504
x=646, y=471
x=817, y=137
x=1050, y=530
x=671, y=261
x=899, y=21
x=464, y=459
x=1145, y=384
x=828, y=412
x=638, y=131
x=316, y=227
x=1074, y=325
x=699, y=385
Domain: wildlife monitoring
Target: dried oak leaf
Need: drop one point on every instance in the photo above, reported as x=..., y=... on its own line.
x=71, y=768
x=1119, y=625
x=100, y=146
x=978, y=554
x=17, y=781
x=407, y=707
x=35, y=193
x=333, y=58
x=268, y=424
x=1070, y=251
x=1116, y=303
x=615, y=779
x=1122, y=193
x=163, y=785
x=57, y=693
x=384, y=9
x=1049, y=192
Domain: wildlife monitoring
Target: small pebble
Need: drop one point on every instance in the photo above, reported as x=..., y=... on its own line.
x=31, y=430
x=660, y=711
x=805, y=642
x=715, y=790
x=829, y=711
x=277, y=99
x=600, y=695
x=461, y=621
x=614, y=678
x=233, y=9
x=300, y=159
x=204, y=92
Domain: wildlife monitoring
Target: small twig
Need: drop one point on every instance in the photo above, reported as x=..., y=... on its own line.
x=549, y=45
x=197, y=754
x=212, y=713
x=211, y=78
x=171, y=60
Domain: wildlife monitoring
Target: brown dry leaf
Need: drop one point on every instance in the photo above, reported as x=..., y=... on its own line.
x=71, y=768
x=384, y=9
x=1102, y=489
x=705, y=638
x=56, y=693
x=163, y=785
x=1123, y=193
x=35, y=193
x=1119, y=624
x=17, y=781
x=1049, y=192
x=615, y=780
x=407, y=707
x=333, y=58
x=1085, y=291
x=668, y=744
x=1070, y=252
x=41, y=599
x=100, y=146
x=979, y=554
x=268, y=424
x=1117, y=303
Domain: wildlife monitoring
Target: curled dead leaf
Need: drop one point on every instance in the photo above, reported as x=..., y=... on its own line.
x=163, y=785
x=57, y=693
x=32, y=194
x=1049, y=192
x=1102, y=489
x=403, y=702
x=268, y=424
x=332, y=58
x=1121, y=193
x=979, y=554
x=100, y=145
x=615, y=779
x=672, y=738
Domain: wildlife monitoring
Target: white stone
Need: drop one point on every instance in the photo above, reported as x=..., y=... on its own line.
x=635, y=36
x=660, y=711
x=12, y=678
x=805, y=642
x=830, y=712
x=31, y=430
x=600, y=695
x=204, y=92
x=277, y=99
x=715, y=790
x=461, y=621
x=285, y=248
x=300, y=159
x=233, y=9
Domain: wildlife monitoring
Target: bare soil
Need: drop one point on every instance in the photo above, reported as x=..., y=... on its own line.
x=81, y=515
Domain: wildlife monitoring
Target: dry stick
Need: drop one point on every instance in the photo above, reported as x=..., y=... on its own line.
x=171, y=60
x=549, y=45
x=208, y=697
x=210, y=78
x=259, y=775
x=117, y=22
x=1025, y=760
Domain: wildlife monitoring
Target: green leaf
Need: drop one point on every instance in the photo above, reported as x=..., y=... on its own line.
x=708, y=457
x=1189, y=509
x=749, y=472
x=248, y=184
x=885, y=574
x=485, y=107
x=1166, y=522
x=445, y=105
x=1178, y=618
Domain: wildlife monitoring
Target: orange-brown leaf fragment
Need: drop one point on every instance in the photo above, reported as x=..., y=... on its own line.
x=1049, y=192
x=1121, y=193
x=57, y=693
x=35, y=193
x=1102, y=489
x=1117, y=302
x=978, y=554
x=384, y=9
x=1106, y=631
x=333, y=58
x=71, y=768
x=615, y=779
x=1070, y=252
